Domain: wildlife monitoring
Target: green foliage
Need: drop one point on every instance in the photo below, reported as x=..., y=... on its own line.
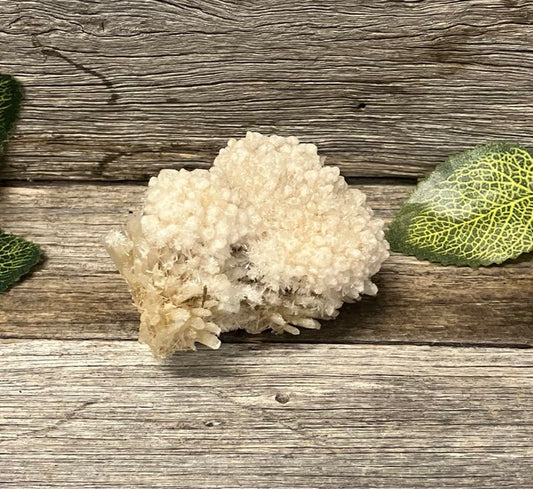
x=10, y=99
x=17, y=256
x=475, y=209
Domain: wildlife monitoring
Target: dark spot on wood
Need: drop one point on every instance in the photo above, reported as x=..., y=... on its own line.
x=361, y=105
x=102, y=165
x=452, y=46
x=394, y=89
x=282, y=398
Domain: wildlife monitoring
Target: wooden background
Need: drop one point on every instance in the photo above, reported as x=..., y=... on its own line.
x=428, y=385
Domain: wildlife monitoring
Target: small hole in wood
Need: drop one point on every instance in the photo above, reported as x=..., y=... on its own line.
x=282, y=398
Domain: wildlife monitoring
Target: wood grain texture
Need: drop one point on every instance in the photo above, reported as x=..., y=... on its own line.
x=79, y=294
x=85, y=414
x=117, y=90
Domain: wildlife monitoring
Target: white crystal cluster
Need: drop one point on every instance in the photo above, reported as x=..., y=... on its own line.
x=268, y=238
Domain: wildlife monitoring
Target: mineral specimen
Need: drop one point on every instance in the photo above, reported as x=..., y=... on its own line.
x=268, y=238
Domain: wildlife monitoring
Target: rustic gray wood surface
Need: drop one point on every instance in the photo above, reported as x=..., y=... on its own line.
x=120, y=89
x=427, y=385
x=93, y=414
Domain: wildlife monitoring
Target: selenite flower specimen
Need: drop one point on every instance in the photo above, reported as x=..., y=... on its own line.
x=268, y=238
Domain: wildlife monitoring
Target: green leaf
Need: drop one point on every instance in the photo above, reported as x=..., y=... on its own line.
x=10, y=99
x=17, y=258
x=475, y=209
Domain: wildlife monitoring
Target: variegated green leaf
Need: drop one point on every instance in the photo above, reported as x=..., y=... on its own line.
x=17, y=258
x=474, y=209
x=10, y=99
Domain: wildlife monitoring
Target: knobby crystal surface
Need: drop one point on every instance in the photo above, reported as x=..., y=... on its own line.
x=268, y=238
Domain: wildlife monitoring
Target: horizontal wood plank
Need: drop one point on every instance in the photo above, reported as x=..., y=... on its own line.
x=84, y=414
x=77, y=293
x=117, y=90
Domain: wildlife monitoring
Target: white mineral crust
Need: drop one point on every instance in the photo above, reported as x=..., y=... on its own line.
x=268, y=238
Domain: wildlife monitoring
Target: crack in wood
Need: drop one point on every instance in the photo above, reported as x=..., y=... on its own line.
x=56, y=424
x=49, y=51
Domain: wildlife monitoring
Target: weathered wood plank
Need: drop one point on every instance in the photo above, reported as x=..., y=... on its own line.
x=79, y=294
x=104, y=414
x=118, y=90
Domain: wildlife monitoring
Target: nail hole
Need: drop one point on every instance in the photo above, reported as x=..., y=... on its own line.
x=282, y=398
x=361, y=105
